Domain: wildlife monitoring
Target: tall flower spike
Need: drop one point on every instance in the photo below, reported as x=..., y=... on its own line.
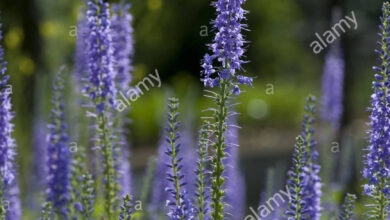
x=202, y=181
x=179, y=208
x=332, y=85
x=102, y=91
x=347, y=209
x=303, y=179
x=314, y=184
x=8, y=182
x=100, y=56
x=227, y=47
x=377, y=159
x=58, y=182
x=227, y=50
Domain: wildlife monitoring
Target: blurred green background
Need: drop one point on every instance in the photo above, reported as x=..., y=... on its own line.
x=38, y=39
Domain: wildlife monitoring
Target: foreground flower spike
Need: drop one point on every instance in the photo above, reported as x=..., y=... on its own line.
x=202, y=181
x=377, y=159
x=8, y=181
x=102, y=91
x=126, y=209
x=297, y=179
x=227, y=48
x=58, y=180
x=314, y=184
x=179, y=208
x=303, y=179
x=332, y=86
x=347, y=209
x=221, y=70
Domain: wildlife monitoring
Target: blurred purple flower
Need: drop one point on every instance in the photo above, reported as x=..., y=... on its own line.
x=122, y=38
x=332, y=86
x=58, y=179
x=235, y=183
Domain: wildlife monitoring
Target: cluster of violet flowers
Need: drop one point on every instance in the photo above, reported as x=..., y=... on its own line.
x=182, y=183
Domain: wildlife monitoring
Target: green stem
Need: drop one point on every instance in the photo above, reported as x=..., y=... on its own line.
x=108, y=170
x=218, y=180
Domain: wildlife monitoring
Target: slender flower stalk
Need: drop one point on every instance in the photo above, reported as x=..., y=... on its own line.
x=348, y=206
x=304, y=181
x=202, y=182
x=227, y=50
x=59, y=157
x=102, y=92
x=377, y=159
x=82, y=184
x=8, y=182
x=180, y=207
x=296, y=179
x=177, y=206
x=313, y=187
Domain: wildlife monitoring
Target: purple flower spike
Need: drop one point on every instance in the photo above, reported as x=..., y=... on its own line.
x=228, y=46
x=58, y=182
x=377, y=159
x=100, y=56
x=180, y=207
x=8, y=181
x=332, y=87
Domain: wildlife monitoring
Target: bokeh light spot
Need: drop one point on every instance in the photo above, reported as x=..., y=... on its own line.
x=257, y=108
x=14, y=37
x=154, y=4
x=26, y=65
